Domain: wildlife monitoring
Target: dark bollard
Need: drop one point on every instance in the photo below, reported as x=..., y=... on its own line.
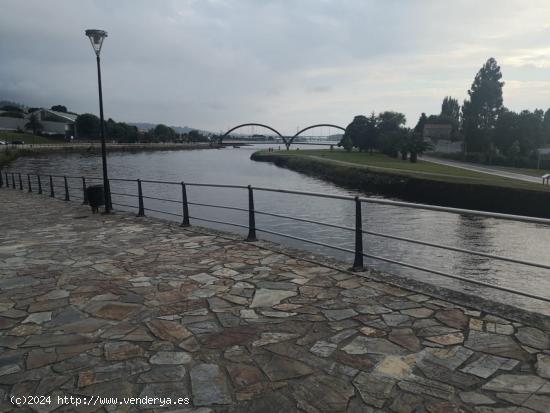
x=1, y=180
x=185, y=222
x=39, y=185
x=52, y=193
x=66, y=189
x=20, y=183
x=251, y=218
x=29, y=182
x=141, y=207
x=358, y=261
x=84, y=192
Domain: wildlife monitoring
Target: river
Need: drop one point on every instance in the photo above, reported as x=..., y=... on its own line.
x=233, y=166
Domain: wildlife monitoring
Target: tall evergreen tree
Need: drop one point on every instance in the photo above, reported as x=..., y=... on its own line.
x=450, y=109
x=480, y=112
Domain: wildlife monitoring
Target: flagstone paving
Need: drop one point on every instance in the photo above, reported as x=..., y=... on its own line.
x=94, y=305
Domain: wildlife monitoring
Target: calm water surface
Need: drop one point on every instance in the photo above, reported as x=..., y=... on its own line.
x=233, y=166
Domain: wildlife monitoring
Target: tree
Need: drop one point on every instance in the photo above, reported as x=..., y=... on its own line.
x=480, y=112
x=34, y=124
x=346, y=143
x=163, y=133
x=360, y=132
x=391, y=134
x=59, y=108
x=451, y=109
x=546, y=127
x=87, y=126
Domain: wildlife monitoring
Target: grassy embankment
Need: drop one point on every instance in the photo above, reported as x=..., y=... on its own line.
x=418, y=182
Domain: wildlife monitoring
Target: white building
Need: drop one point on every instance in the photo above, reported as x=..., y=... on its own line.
x=53, y=123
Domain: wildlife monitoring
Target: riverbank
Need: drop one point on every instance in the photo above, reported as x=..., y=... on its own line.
x=10, y=153
x=123, y=306
x=433, y=184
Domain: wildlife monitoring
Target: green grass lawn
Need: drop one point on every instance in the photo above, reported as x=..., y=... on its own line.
x=27, y=138
x=422, y=169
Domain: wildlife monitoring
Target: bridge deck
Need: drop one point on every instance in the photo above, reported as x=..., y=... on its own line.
x=94, y=305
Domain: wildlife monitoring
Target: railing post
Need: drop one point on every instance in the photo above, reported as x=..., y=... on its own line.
x=52, y=193
x=20, y=182
x=358, y=261
x=39, y=185
x=84, y=193
x=13, y=180
x=251, y=218
x=66, y=188
x=185, y=222
x=108, y=200
x=7, y=180
x=29, y=182
x=141, y=210
x=1, y=179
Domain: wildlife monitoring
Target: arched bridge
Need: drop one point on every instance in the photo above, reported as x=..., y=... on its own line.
x=287, y=140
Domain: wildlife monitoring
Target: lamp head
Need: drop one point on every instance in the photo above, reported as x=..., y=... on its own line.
x=96, y=39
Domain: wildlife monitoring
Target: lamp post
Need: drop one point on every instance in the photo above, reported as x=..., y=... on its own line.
x=96, y=38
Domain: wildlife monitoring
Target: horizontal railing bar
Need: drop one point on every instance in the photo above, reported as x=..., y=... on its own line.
x=465, y=251
x=217, y=185
x=315, y=194
x=219, y=206
x=305, y=240
x=123, y=205
x=304, y=220
x=162, y=199
x=161, y=212
x=120, y=194
x=160, y=182
x=121, y=179
x=457, y=277
x=460, y=211
x=219, y=222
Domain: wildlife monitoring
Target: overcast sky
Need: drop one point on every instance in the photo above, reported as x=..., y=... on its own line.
x=214, y=64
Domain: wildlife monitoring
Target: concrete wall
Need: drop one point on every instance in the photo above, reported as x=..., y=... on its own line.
x=12, y=124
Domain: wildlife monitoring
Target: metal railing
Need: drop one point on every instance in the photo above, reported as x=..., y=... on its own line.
x=48, y=184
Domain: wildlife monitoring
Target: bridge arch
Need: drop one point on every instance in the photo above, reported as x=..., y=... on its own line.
x=251, y=124
x=311, y=127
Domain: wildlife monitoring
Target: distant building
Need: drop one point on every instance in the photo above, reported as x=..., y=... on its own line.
x=53, y=123
x=436, y=131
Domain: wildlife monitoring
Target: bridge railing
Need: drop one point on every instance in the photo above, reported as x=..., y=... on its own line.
x=72, y=188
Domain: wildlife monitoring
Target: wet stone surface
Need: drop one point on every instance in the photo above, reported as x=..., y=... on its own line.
x=125, y=306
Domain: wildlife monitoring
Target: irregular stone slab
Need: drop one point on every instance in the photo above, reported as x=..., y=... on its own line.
x=422, y=386
x=273, y=337
x=543, y=365
x=421, y=312
x=112, y=310
x=486, y=365
x=112, y=372
x=243, y=375
x=450, y=358
x=40, y=357
x=38, y=318
x=393, y=366
x=364, y=345
x=278, y=314
x=373, y=309
x=205, y=327
x=209, y=385
x=496, y=344
x=168, y=330
x=9, y=369
x=405, y=338
x=281, y=368
x=267, y=298
x=406, y=403
x=447, y=339
x=53, y=340
x=362, y=292
x=121, y=350
x=475, y=398
x=513, y=383
x=396, y=320
x=533, y=337
x=323, y=348
x=453, y=318
x=204, y=278
x=322, y=394
x=229, y=337
x=163, y=374
x=453, y=377
x=337, y=315
x=171, y=357
x=374, y=389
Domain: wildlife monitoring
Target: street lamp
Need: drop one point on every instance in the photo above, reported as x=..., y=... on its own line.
x=96, y=38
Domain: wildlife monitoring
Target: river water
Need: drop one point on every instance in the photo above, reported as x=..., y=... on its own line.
x=233, y=166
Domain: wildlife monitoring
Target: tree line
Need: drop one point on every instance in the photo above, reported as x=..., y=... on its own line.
x=490, y=132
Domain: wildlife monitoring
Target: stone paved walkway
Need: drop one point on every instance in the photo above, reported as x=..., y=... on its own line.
x=125, y=306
